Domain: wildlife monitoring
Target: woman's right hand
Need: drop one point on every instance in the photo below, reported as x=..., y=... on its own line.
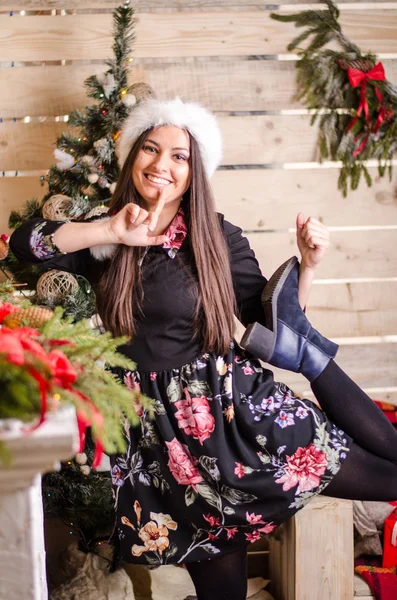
x=133, y=225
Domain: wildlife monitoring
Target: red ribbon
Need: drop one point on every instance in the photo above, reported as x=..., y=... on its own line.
x=361, y=78
x=83, y=421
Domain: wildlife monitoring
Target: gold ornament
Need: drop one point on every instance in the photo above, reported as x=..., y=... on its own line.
x=34, y=316
x=57, y=208
x=3, y=246
x=56, y=285
x=141, y=91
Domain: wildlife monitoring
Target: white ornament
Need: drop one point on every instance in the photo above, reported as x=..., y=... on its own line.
x=81, y=458
x=109, y=85
x=88, y=160
x=129, y=100
x=103, y=182
x=101, y=78
x=64, y=160
x=93, y=177
x=85, y=469
x=99, y=143
x=112, y=187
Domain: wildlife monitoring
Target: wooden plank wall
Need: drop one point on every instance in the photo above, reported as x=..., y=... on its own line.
x=229, y=55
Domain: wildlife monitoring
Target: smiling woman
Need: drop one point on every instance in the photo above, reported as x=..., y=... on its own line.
x=231, y=453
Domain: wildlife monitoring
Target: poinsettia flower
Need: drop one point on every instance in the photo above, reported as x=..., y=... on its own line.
x=64, y=373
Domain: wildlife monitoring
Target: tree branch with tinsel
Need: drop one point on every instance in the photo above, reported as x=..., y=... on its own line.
x=354, y=104
x=46, y=360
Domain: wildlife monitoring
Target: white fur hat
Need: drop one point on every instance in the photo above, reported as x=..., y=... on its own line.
x=196, y=119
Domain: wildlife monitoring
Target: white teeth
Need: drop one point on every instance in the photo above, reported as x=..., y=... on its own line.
x=157, y=179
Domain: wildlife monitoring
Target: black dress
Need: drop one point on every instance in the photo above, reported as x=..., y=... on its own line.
x=231, y=454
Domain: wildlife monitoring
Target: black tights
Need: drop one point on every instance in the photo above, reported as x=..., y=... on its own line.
x=368, y=473
x=223, y=578
x=370, y=470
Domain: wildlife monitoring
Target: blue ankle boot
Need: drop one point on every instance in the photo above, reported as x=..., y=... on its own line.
x=288, y=341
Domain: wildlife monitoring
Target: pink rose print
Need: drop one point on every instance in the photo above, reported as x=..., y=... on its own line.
x=213, y=521
x=254, y=519
x=194, y=417
x=304, y=469
x=182, y=464
x=248, y=370
x=254, y=536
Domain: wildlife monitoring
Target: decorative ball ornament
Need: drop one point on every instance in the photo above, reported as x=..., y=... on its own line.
x=93, y=177
x=112, y=187
x=97, y=211
x=129, y=100
x=4, y=247
x=142, y=91
x=57, y=208
x=103, y=183
x=85, y=469
x=33, y=316
x=54, y=286
x=81, y=458
x=88, y=160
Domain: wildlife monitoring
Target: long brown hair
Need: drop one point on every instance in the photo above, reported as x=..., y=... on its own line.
x=120, y=294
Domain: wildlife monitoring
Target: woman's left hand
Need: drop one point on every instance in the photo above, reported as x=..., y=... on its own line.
x=313, y=240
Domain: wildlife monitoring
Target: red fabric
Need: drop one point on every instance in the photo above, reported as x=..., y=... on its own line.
x=382, y=582
x=389, y=549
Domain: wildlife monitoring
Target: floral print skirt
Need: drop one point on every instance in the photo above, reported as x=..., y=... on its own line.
x=230, y=455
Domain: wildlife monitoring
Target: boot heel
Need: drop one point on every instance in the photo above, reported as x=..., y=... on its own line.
x=259, y=341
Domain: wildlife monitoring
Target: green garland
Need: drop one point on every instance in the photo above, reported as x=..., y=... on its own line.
x=88, y=353
x=324, y=85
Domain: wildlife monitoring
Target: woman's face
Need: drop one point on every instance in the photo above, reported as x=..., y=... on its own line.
x=163, y=164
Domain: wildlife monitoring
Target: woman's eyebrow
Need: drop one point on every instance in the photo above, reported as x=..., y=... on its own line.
x=158, y=145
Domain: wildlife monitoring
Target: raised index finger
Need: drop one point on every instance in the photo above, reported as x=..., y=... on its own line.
x=154, y=214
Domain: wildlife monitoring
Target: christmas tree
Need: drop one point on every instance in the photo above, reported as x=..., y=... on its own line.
x=81, y=182
x=79, y=187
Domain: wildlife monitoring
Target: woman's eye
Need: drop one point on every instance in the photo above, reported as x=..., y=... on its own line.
x=180, y=157
x=149, y=148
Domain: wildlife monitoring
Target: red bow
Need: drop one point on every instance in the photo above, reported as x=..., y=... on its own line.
x=356, y=78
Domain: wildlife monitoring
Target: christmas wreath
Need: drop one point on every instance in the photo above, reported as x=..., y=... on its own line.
x=353, y=102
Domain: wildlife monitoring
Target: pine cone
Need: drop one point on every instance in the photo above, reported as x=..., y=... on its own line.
x=3, y=247
x=34, y=316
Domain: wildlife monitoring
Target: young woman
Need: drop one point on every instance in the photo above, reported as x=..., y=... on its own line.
x=231, y=454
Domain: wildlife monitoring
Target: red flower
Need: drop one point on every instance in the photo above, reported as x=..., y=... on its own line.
x=182, y=464
x=64, y=373
x=6, y=309
x=194, y=417
x=304, y=469
x=254, y=519
x=15, y=342
x=268, y=528
x=153, y=376
x=211, y=536
x=231, y=532
x=213, y=521
x=254, y=536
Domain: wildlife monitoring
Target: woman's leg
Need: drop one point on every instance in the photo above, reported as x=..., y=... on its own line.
x=223, y=578
x=353, y=411
x=364, y=476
